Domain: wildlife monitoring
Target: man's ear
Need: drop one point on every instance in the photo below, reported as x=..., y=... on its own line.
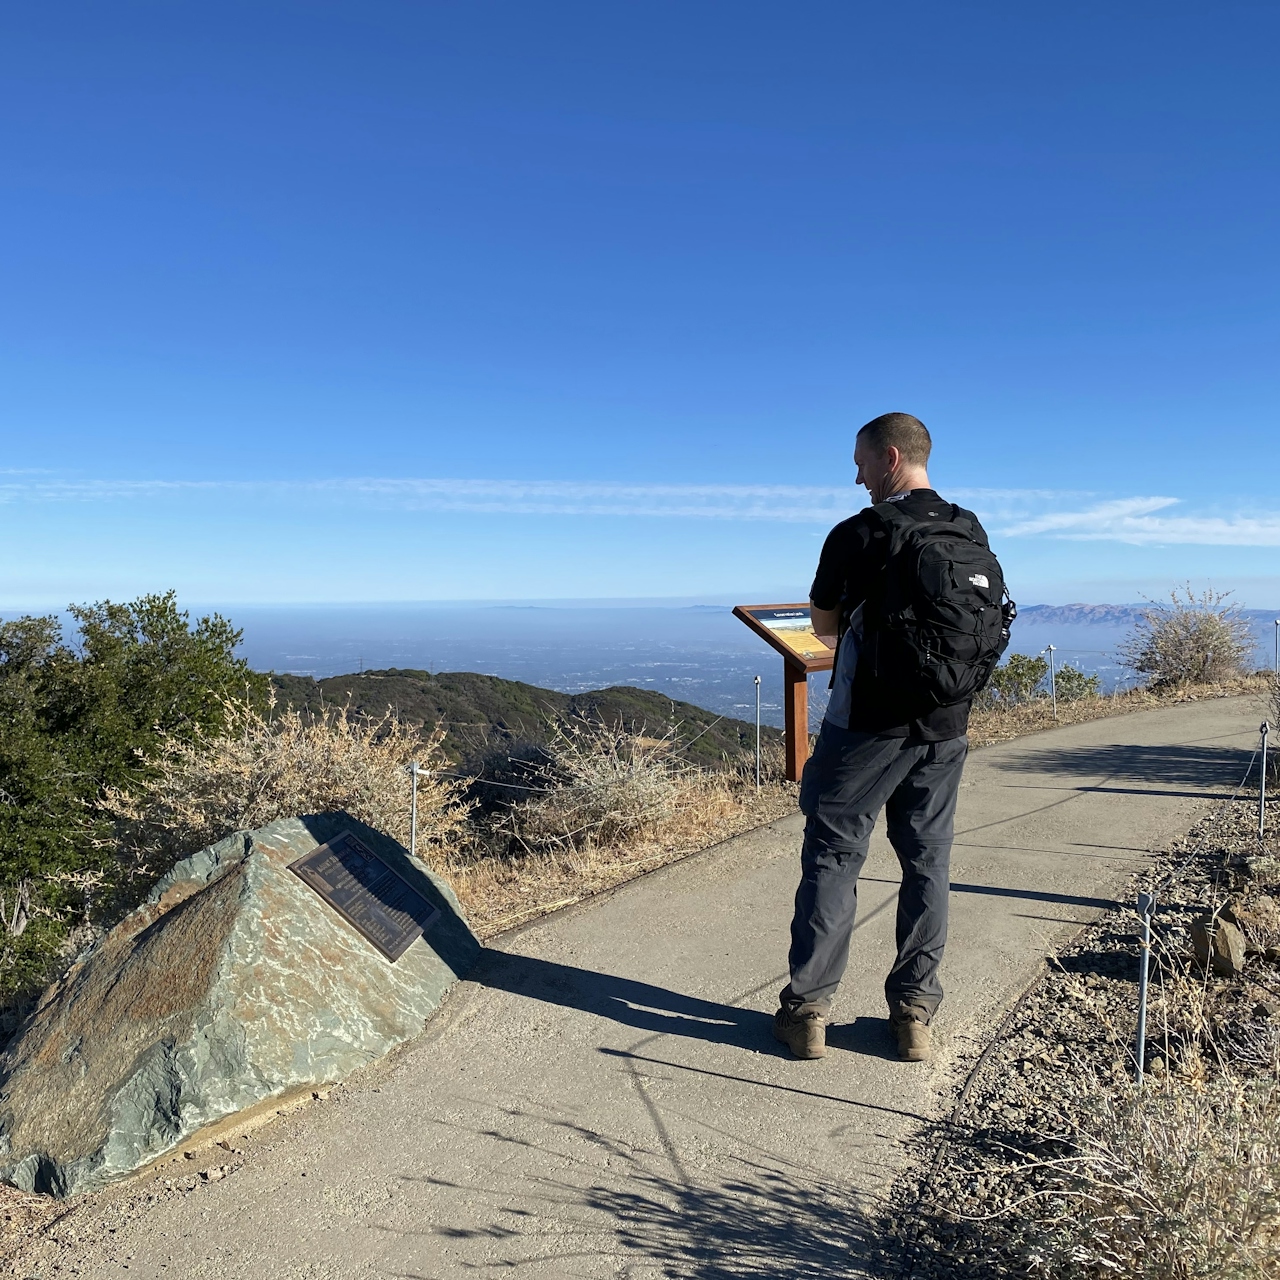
x=892, y=459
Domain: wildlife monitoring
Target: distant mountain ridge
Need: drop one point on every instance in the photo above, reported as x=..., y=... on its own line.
x=1110, y=615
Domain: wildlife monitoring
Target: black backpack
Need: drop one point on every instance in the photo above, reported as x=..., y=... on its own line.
x=939, y=622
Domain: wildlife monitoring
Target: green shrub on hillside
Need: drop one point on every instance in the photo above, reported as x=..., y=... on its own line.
x=1019, y=679
x=1022, y=679
x=77, y=718
x=1072, y=684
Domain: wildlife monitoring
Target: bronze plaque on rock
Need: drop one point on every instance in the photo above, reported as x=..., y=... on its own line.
x=366, y=893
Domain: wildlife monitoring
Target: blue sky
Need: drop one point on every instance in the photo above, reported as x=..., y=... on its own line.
x=499, y=300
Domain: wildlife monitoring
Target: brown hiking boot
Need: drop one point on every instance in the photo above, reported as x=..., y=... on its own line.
x=915, y=1040
x=805, y=1034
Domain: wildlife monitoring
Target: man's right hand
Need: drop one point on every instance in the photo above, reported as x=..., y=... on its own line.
x=825, y=623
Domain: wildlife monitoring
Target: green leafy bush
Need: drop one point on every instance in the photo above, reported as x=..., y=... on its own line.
x=1022, y=679
x=77, y=718
x=1073, y=684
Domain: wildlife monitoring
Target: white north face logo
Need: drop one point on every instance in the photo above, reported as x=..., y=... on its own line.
x=980, y=580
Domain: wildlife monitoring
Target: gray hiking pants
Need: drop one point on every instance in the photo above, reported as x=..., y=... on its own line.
x=850, y=778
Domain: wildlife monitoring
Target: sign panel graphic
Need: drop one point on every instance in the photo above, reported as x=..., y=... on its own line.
x=789, y=629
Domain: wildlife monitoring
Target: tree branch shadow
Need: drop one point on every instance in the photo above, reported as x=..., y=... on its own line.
x=766, y=1223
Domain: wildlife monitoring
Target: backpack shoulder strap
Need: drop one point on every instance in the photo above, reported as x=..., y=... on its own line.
x=891, y=513
x=895, y=528
x=967, y=521
x=895, y=521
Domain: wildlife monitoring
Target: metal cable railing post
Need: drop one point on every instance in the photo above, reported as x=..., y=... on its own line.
x=1262, y=782
x=1053, y=677
x=1146, y=908
x=413, y=811
x=757, y=733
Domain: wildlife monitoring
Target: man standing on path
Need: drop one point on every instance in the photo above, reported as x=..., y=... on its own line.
x=890, y=738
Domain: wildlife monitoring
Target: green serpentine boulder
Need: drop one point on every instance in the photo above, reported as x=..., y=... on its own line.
x=233, y=983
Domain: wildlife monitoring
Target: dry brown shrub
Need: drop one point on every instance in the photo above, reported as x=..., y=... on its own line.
x=1178, y=1179
x=24, y=1218
x=1194, y=639
x=600, y=784
x=606, y=807
x=992, y=724
x=1174, y=1179
x=257, y=770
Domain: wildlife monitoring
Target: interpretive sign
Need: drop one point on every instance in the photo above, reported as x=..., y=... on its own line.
x=367, y=893
x=789, y=629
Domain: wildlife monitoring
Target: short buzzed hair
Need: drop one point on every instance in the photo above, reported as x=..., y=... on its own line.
x=899, y=431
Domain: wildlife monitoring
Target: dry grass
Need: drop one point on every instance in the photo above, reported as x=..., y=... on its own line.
x=1180, y=1179
x=988, y=725
x=1063, y=1167
x=1174, y=1180
x=23, y=1217
x=1177, y=1178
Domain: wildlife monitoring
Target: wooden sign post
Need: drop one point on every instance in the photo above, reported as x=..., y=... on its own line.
x=788, y=629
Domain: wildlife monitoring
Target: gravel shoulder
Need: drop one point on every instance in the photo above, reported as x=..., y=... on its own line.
x=1051, y=1138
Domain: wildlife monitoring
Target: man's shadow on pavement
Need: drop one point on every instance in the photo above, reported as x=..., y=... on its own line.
x=626, y=1001
x=659, y=1010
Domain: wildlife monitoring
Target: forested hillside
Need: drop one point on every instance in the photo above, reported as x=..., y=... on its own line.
x=484, y=716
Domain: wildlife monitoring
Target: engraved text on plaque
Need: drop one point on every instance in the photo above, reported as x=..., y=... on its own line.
x=367, y=893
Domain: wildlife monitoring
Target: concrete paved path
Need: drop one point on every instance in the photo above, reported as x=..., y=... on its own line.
x=603, y=1098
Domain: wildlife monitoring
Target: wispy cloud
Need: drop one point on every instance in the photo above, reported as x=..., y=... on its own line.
x=58, y=490
x=1135, y=520
x=1010, y=513
x=802, y=504
x=788, y=503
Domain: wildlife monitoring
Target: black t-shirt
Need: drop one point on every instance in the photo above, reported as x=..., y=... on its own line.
x=852, y=556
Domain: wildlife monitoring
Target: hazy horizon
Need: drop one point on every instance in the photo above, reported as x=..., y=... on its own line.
x=690, y=650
